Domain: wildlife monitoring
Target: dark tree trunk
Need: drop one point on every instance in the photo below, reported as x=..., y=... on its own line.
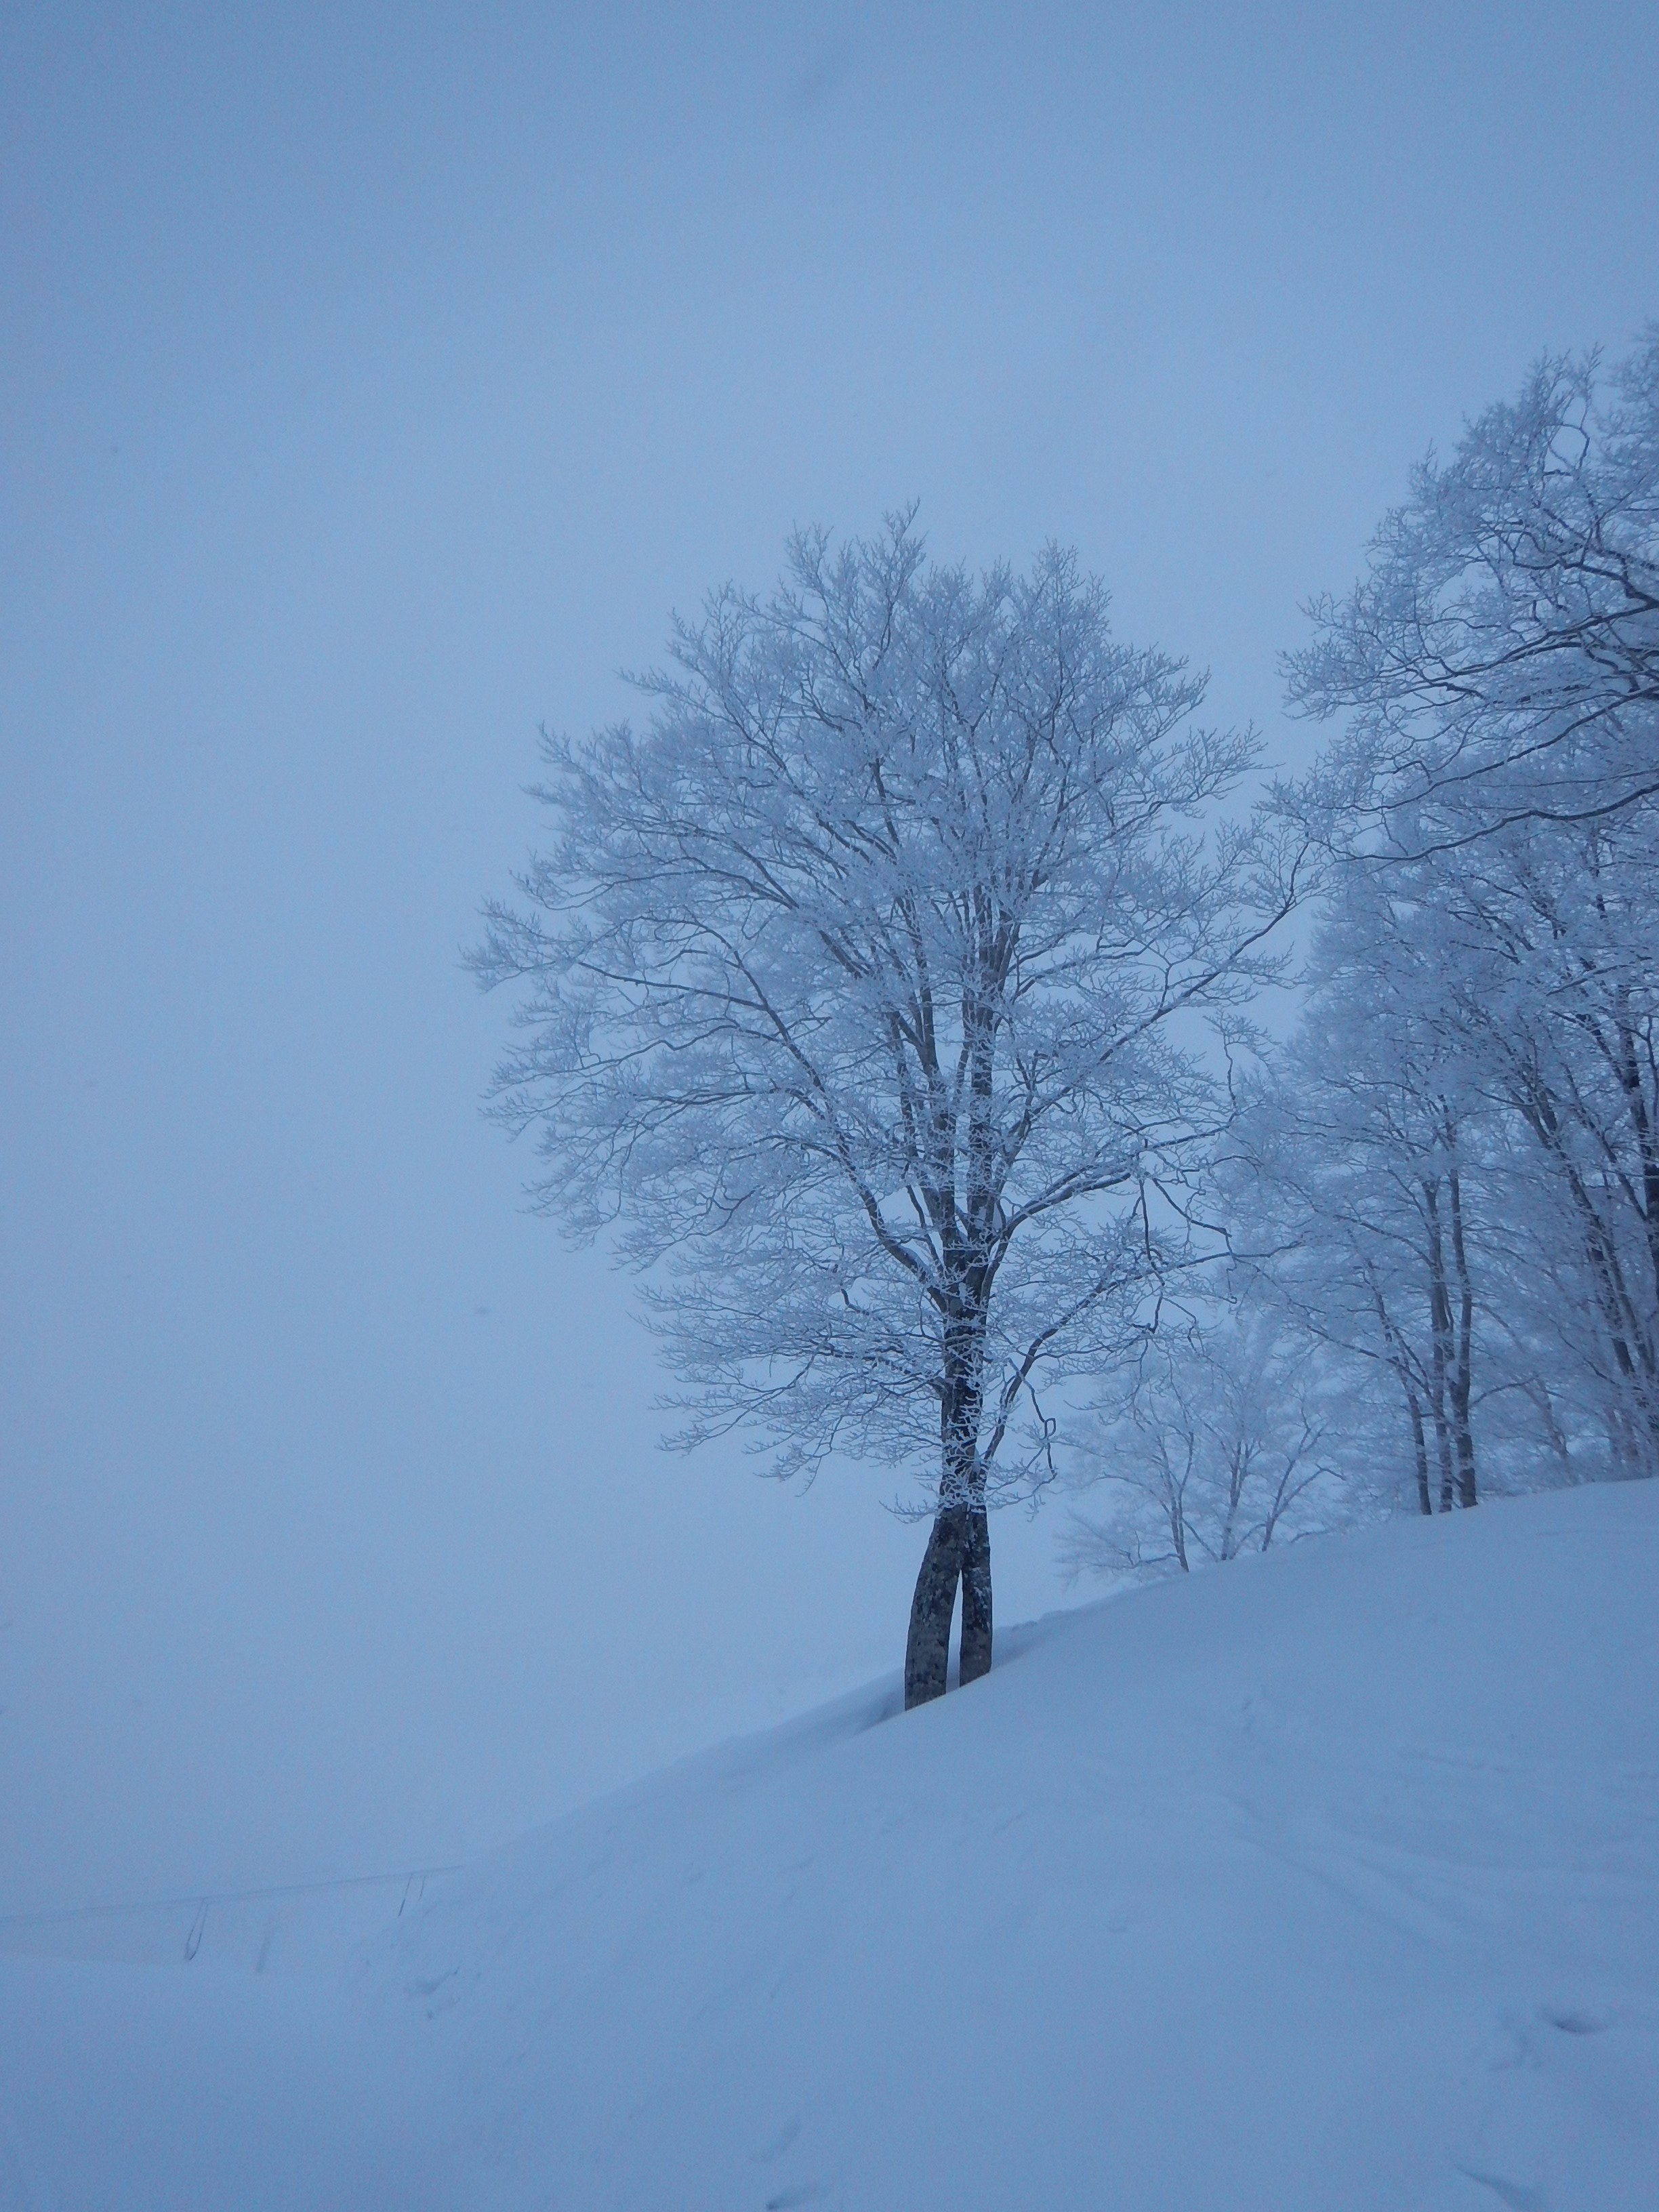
x=1419, y=1450
x=1443, y=1366
x=1461, y=1388
x=976, y=1596
x=1401, y=1366
x=1443, y=1445
x=958, y=1550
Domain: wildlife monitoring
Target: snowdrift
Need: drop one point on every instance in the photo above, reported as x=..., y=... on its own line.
x=1327, y=1880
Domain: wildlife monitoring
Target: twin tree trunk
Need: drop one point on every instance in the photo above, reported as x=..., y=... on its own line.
x=958, y=1549
x=959, y=1546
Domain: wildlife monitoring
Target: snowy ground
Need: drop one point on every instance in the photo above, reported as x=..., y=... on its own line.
x=1330, y=1881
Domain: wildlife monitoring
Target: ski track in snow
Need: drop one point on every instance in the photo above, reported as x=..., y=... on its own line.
x=1328, y=1883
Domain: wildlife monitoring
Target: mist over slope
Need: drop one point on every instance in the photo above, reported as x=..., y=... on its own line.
x=1331, y=1880
x=1328, y=1880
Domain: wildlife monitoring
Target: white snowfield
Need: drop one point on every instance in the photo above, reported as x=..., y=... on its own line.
x=1330, y=1881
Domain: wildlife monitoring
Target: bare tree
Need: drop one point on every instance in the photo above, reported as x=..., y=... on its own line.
x=1363, y=1128
x=1491, y=809
x=1221, y=1442
x=1453, y=1167
x=1498, y=663
x=1553, y=967
x=849, y=997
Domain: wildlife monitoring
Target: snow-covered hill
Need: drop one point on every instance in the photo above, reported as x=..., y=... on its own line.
x=1328, y=1880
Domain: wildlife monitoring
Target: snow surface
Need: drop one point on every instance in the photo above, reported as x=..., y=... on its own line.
x=1327, y=1881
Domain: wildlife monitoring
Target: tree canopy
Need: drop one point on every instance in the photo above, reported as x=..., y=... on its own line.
x=851, y=1001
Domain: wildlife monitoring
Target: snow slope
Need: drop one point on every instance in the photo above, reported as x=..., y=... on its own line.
x=1328, y=1880
x=132, y=2088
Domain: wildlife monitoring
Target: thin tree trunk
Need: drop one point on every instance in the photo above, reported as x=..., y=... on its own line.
x=1647, y=1143
x=1461, y=1386
x=1442, y=1444
x=1440, y=1338
x=1420, y=1451
x=1399, y=1361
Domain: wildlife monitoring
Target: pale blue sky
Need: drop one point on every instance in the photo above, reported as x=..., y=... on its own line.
x=374, y=383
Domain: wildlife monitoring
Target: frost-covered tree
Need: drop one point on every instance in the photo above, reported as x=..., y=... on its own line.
x=1360, y=1161
x=1491, y=807
x=1554, y=964
x=1222, y=1439
x=851, y=993
x=1498, y=663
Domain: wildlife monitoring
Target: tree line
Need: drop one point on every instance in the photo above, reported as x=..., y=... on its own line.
x=1442, y=1193
x=889, y=1001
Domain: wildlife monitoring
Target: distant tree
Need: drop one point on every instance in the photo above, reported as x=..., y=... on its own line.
x=852, y=995
x=1222, y=1441
x=1362, y=1162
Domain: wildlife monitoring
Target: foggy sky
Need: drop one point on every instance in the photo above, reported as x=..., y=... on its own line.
x=375, y=383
